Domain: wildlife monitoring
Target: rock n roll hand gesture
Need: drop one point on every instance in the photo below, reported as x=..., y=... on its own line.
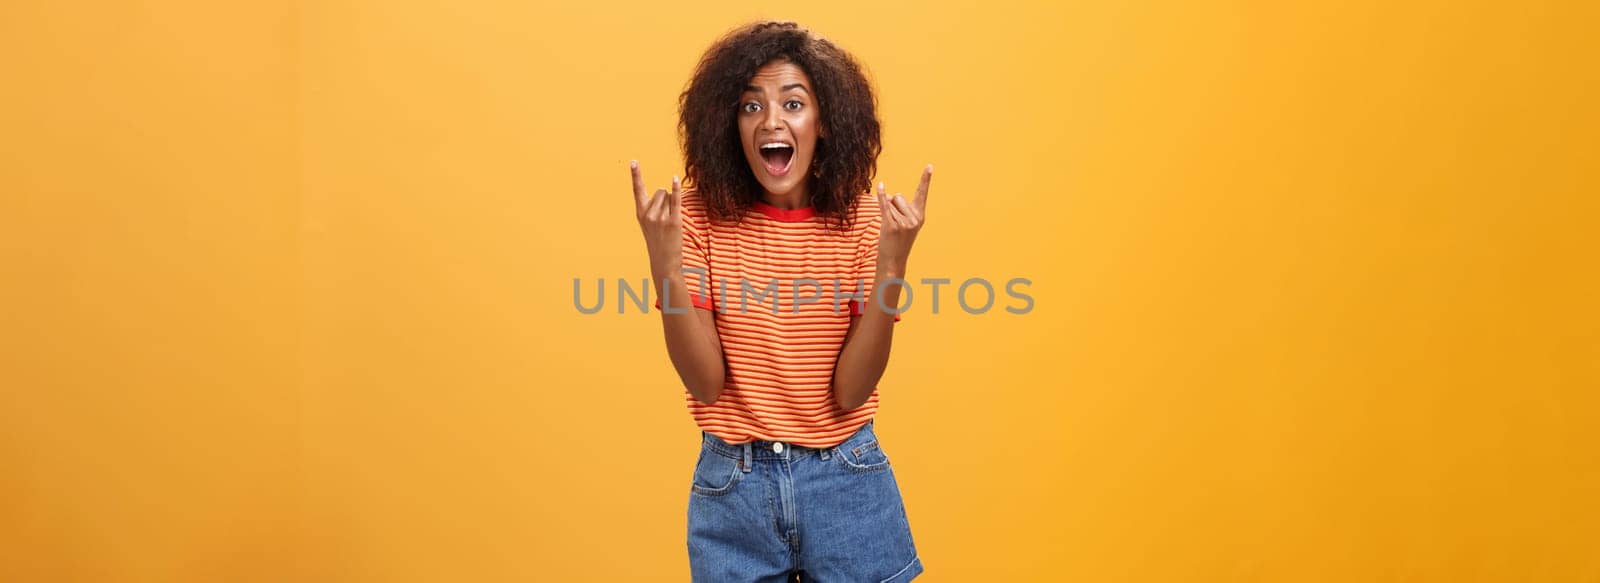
x=902, y=220
x=659, y=220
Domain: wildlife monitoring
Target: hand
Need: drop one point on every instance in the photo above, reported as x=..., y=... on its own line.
x=902, y=220
x=659, y=219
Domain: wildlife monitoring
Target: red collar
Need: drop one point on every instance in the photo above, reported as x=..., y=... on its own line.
x=799, y=215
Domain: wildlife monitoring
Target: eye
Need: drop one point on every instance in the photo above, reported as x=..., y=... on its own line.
x=750, y=107
x=792, y=105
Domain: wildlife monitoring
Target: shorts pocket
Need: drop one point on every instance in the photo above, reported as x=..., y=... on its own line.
x=862, y=456
x=714, y=474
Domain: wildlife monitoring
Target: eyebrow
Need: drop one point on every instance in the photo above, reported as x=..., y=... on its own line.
x=800, y=86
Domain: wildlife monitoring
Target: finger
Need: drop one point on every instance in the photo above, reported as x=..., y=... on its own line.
x=904, y=206
x=883, y=200
x=658, y=201
x=922, y=187
x=638, y=185
x=677, y=192
x=891, y=213
x=894, y=218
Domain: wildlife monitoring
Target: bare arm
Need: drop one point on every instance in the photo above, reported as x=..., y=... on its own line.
x=692, y=342
x=865, y=354
x=866, y=346
x=691, y=336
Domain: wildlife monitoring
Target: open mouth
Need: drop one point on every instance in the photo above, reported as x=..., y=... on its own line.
x=777, y=156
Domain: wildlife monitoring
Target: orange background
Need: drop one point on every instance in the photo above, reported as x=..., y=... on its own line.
x=287, y=289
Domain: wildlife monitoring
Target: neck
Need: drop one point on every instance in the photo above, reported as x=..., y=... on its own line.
x=800, y=197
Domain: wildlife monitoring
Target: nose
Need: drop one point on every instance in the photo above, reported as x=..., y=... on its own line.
x=773, y=119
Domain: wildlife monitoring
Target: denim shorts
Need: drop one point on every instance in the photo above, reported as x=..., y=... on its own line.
x=763, y=511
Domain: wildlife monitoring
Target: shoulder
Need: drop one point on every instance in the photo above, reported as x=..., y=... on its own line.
x=691, y=201
x=866, y=216
x=865, y=202
x=692, y=195
x=694, y=209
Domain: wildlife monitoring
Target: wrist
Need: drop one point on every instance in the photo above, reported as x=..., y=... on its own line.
x=663, y=269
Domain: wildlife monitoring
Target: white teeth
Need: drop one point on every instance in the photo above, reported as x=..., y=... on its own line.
x=774, y=145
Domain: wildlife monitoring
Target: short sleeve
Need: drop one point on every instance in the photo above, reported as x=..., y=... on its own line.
x=696, y=250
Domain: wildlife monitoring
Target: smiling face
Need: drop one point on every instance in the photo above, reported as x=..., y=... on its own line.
x=778, y=126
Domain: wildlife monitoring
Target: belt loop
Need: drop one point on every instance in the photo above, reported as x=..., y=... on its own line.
x=748, y=455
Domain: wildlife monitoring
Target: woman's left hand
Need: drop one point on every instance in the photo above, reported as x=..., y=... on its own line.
x=902, y=219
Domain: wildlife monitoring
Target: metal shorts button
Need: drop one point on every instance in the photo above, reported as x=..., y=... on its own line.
x=777, y=448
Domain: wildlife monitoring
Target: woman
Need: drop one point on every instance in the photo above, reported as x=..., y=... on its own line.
x=777, y=242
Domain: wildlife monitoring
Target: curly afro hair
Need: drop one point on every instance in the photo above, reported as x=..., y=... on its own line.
x=846, y=153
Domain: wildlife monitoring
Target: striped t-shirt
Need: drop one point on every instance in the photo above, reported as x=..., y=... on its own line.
x=780, y=362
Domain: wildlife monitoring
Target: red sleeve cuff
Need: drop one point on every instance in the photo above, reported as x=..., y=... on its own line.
x=703, y=303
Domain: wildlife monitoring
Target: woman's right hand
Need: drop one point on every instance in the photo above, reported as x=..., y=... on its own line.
x=659, y=219
x=692, y=341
